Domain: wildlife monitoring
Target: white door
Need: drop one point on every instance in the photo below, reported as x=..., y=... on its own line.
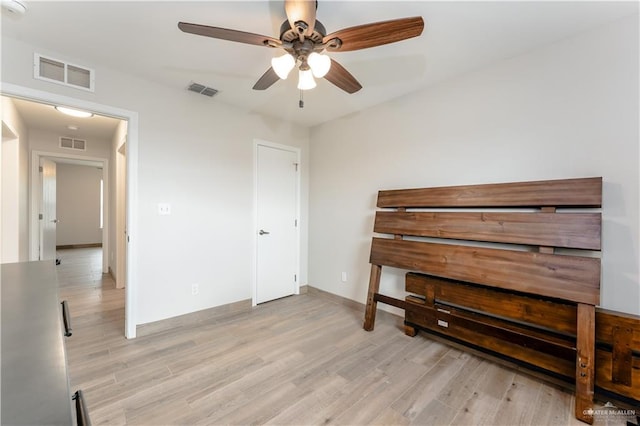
x=121, y=216
x=48, y=219
x=277, y=209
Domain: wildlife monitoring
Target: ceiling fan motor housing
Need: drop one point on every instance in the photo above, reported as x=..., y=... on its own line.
x=289, y=35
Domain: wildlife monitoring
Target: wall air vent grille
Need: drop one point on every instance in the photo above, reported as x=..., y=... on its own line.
x=60, y=72
x=71, y=143
x=202, y=89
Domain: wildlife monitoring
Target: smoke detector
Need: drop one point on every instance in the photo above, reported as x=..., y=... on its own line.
x=18, y=7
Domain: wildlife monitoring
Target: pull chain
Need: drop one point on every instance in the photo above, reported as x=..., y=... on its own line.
x=301, y=101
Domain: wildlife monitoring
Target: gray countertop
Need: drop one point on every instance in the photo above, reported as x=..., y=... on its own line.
x=35, y=385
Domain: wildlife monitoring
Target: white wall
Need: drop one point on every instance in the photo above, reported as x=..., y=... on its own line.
x=47, y=141
x=196, y=154
x=15, y=177
x=78, y=204
x=10, y=213
x=566, y=110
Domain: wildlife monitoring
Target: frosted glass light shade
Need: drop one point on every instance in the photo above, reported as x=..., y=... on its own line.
x=74, y=112
x=283, y=65
x=305, y=80
x=320, y=64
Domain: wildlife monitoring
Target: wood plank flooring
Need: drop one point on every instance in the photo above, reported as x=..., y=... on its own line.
x=301, y=360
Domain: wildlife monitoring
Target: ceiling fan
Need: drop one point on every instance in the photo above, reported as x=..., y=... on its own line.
x=304, y=39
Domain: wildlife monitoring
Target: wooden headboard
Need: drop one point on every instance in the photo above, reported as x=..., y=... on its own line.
x=502, y=237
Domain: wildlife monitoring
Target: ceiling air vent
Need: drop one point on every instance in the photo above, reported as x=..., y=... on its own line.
x=60, y=72
x=202, y=89
x=71, y=143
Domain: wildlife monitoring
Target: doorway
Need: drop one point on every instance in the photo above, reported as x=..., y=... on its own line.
x=73, y=212
x=48, y=211
x=131, y=184
x=277, y=221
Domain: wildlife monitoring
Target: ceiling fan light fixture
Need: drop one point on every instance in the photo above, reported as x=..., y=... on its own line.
x=283, y=65
x=320, y=64
x=305, y=80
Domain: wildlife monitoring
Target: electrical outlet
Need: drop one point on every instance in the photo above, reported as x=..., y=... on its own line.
x=194, y=289
x=344, y=277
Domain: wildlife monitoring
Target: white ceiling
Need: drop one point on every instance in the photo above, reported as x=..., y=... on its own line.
x=142, y=38
x=46, y=117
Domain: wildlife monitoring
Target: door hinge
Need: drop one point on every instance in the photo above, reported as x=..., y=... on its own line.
x=40, y=216
x=296, y=164
x=295, y=223
x=40, y=169
x=295, y=278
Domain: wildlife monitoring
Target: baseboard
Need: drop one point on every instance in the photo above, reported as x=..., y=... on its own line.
x=196, y=318
x=336, y=299
x=352, y=304
x=77, y=246
x=192, y=319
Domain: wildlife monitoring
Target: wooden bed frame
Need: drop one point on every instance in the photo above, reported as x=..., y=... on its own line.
x=505, y=289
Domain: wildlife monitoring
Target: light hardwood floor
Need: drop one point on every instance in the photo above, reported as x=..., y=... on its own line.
x=302, y=360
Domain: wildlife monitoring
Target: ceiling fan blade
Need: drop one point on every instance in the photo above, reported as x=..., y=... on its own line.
x=301, y=10
x=342, y=78
x=375, y=34
x=267, y=80
x=231, y=35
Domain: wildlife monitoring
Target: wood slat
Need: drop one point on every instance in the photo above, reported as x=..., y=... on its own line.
x=571, y=278
x=620, y=332
x=426, y=318
x=374, y=285
x=390, y=300
x=622, y=356
x=604, y=367
x=584, y=192
x=421, y=284
x=607, y=320
x=585, y=362
x=547, y=342
x=559, y=317
x=568, y=230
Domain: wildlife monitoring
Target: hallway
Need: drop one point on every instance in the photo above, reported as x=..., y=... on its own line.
x=92, y=295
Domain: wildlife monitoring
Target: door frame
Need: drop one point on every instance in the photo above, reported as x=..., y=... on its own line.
x=35, y=192
x=256, y=144
x=131, y=117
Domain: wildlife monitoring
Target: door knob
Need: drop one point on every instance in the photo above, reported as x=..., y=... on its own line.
x=263, y=232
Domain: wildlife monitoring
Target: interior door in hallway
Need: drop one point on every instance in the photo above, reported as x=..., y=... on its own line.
x=277, y=221
x=48, y=219
x=121, y=215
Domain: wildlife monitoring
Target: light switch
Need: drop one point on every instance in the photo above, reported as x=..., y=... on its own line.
x=164, y=209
